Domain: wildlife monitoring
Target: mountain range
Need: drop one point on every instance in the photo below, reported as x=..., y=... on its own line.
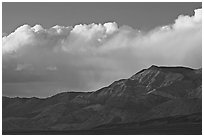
x=156, y=100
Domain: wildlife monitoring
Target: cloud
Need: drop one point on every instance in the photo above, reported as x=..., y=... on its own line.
x=21, y=67
x=187, y=22
x=37, y=28
x=51, y=68
x=87, y=57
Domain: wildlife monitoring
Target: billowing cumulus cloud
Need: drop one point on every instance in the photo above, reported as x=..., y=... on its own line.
x=40, y=62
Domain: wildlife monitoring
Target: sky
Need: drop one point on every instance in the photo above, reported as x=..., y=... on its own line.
x=48, y=48
x=143, y=16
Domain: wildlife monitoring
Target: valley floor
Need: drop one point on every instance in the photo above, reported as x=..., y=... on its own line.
x=173, y=129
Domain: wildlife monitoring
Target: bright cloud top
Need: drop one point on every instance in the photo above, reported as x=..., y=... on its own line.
x=86, y=57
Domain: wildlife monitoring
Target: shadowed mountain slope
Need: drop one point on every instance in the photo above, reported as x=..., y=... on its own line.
x=153, y=94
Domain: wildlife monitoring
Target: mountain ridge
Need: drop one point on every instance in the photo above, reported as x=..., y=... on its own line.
x=152, y=93
x=153, y=67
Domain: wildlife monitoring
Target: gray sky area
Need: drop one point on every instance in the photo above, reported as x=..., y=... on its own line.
x=48, y=48
x=137, y=15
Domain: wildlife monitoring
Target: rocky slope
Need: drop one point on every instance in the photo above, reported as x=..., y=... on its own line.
x=153, y=93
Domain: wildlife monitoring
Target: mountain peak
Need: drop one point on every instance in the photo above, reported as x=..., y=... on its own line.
x=174, y=69
x=153, y=67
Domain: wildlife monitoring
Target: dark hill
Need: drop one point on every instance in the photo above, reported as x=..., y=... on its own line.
x=163, y=97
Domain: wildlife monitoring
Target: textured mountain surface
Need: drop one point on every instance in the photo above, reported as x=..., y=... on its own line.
x=156, y=93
